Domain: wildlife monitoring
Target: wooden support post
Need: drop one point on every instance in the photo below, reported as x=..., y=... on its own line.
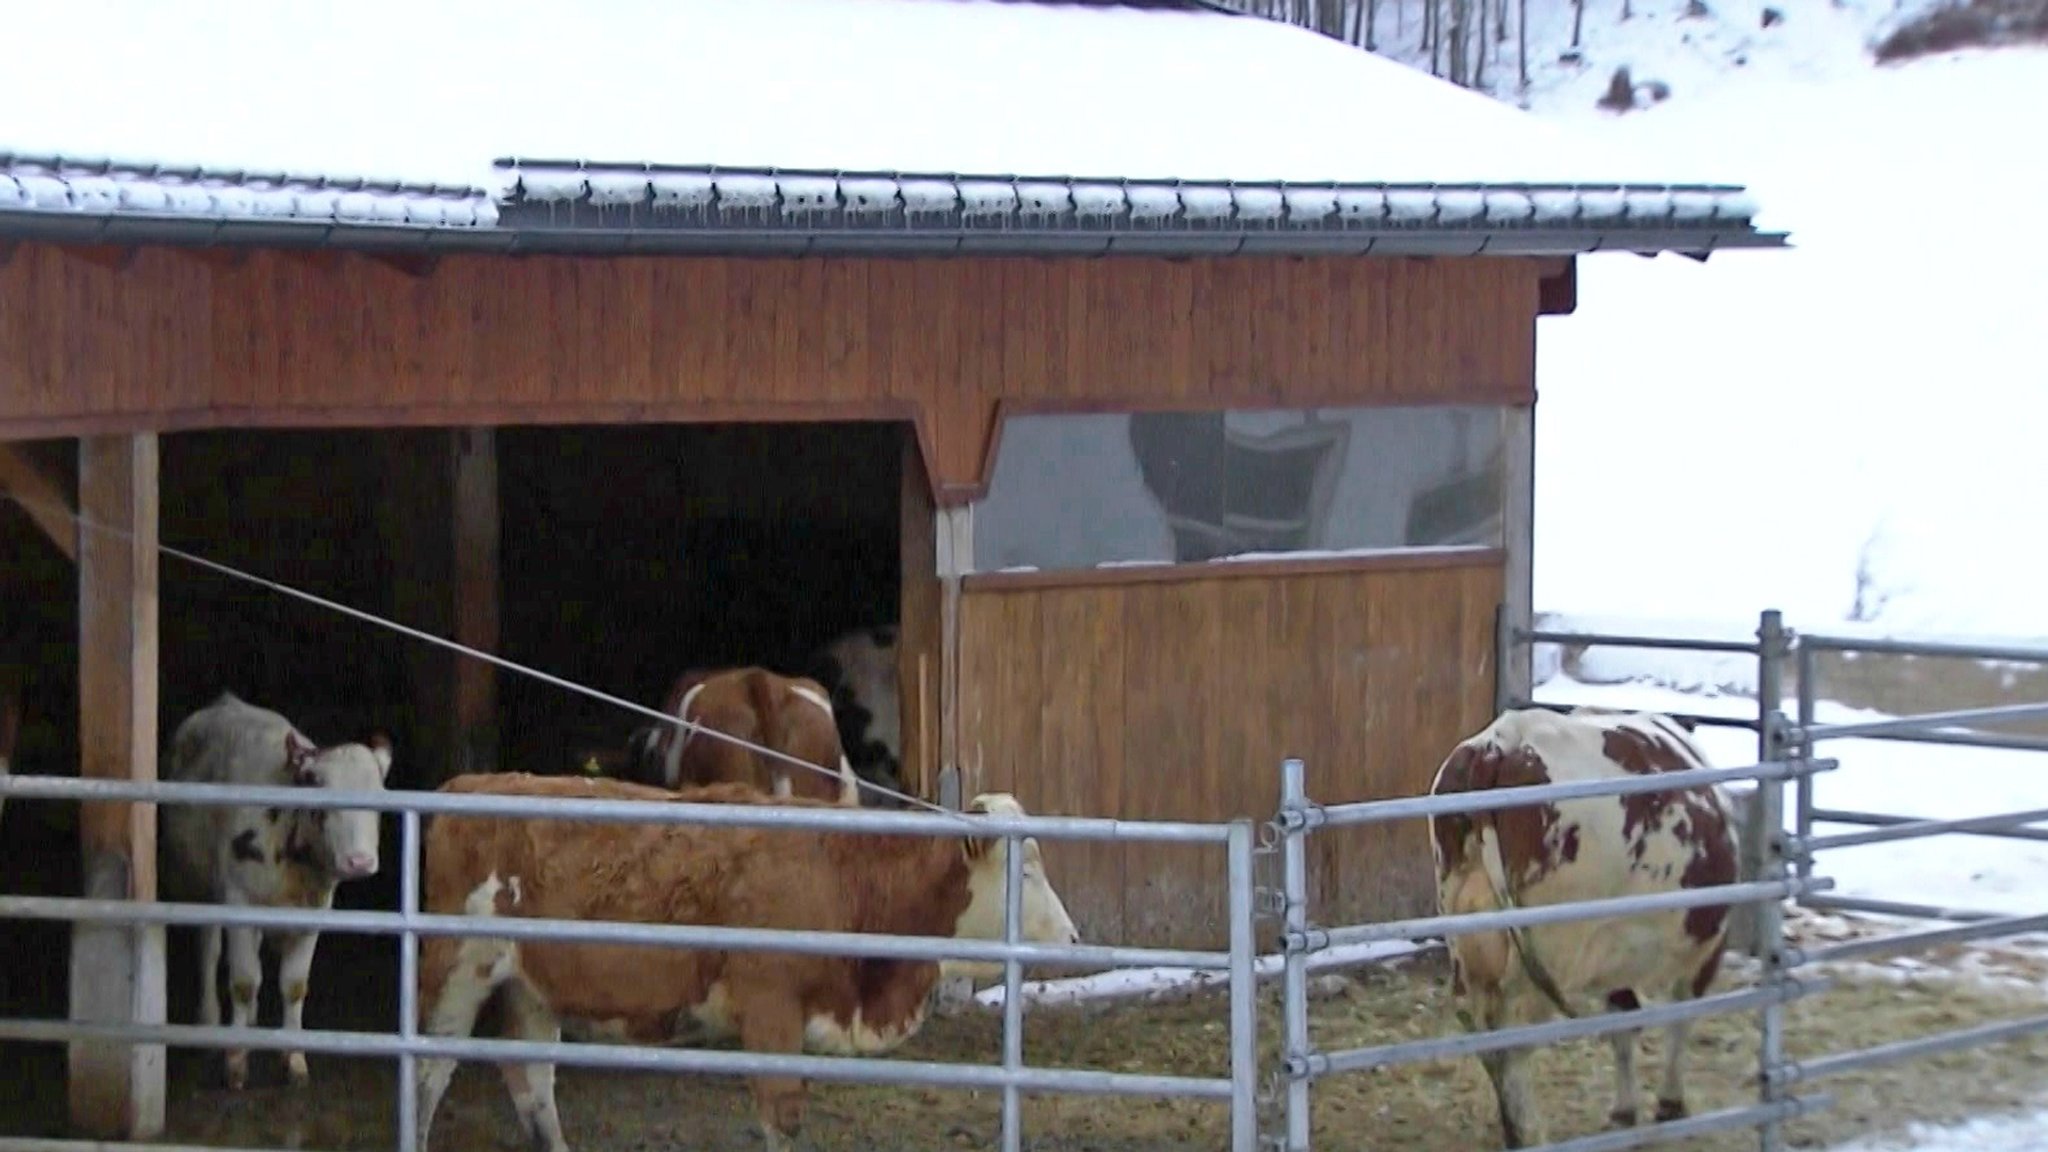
x=475, y=740
x=117, y=972
x=918, y=639
x=957, y=780
x=1514, y=677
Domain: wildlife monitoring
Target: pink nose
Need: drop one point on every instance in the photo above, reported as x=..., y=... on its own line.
x=358, y=865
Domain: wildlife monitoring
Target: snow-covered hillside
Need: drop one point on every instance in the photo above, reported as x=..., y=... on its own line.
x=1716, y=439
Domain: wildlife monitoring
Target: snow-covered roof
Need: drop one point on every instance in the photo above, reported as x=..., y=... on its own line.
x=849, y=122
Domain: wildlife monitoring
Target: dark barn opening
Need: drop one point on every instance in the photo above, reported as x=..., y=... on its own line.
x=626, y=555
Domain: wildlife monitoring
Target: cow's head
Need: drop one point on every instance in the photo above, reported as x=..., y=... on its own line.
x=1045, y=917
x=346, y=837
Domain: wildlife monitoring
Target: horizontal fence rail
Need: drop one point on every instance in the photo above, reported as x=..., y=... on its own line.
x=1553, y=1031
x=1464, y=924
x=1958, y=727
x=1493, y=799
x=772, y=816
x=411, y=924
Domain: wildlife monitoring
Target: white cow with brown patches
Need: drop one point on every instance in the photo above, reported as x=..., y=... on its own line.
x=1578, y=850
x=267, y=857
x=706, y=875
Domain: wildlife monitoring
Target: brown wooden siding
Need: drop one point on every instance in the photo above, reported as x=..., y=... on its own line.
x=1178, y=700
x=171, y=340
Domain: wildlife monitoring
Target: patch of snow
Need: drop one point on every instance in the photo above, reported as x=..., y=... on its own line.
x=2021, y=1133
x=454, y=93
x=1873, y=400
x=1154, y=983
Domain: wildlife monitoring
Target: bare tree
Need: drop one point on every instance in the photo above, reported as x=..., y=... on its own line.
x=1479, y=50
x=1578, y=19
x=1522, y=41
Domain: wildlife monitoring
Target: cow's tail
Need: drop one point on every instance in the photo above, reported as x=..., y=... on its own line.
x=1504, y=896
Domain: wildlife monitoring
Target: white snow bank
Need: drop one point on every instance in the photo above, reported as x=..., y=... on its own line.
x=1154, y=983
x=2024, y=1133
x=437, y=91
x=1730, y=436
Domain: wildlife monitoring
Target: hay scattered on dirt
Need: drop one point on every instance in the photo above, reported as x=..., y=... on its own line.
x=1442, y=1105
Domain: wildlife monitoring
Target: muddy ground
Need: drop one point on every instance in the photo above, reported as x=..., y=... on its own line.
x=1442, y=1105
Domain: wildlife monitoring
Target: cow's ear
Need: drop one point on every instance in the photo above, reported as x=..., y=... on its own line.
x=380, y=751
x=298, y=760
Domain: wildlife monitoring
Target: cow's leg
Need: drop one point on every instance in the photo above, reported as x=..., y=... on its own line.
x=1623, y=1114
x=294, y=966
x=209, y=975
x=532, y=1086
x=457, y=977
x=771, y=1020
x=1671, y=1093
x=1508, y=1068
x=245, y=981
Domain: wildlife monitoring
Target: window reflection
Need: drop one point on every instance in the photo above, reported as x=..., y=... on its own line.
x=1074, y=490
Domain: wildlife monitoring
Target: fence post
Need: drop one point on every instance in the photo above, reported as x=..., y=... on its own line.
x=1802, y=788
x=1013, y=991
x=1770, y=934
x=1762, y=828
x=1294, y=969
x=408, y=979
x=1244, y=993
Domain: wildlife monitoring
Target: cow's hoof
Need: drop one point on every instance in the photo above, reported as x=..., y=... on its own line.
x=1670, y=1110
x=1621, y=1118
x=295, y=1070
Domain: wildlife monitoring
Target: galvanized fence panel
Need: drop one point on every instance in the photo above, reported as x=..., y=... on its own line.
x=1303, y=1063
x=410, y=923
x=1794, y=742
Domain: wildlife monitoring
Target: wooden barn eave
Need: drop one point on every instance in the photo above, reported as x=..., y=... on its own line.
x=128, y=229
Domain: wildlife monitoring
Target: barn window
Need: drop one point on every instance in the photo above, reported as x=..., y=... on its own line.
x=1086, y=490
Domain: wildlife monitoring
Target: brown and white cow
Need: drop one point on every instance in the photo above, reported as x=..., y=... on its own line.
x=858, y=670
x=707, y=875
x=789, y=714
x=278, y=858
x=1578, y=850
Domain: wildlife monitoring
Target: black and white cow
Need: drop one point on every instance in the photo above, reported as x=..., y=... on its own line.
x=278, y=858
x=859, y=670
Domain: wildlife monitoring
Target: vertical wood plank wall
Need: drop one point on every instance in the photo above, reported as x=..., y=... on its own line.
x=172, y=341
x=1178, y=699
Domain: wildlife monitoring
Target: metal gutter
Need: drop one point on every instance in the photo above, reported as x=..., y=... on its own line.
x=579, y=208
x=191, y=232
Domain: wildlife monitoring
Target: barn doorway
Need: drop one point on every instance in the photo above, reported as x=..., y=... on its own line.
x=626, y=553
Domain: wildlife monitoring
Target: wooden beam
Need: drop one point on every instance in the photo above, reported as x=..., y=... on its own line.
x=475, y=589
x=117, y=972
x=114, y=258
x=41, y=497
x=417, y=265
x=1557, y=293
x=918, y=641
x=220, y=259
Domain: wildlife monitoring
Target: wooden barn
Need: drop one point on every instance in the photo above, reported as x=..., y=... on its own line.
x=1164, y=377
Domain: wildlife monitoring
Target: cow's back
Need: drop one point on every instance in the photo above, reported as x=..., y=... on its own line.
x=636, y=873
x=1640, y=843
x=230, y=741
x=1591, y=848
